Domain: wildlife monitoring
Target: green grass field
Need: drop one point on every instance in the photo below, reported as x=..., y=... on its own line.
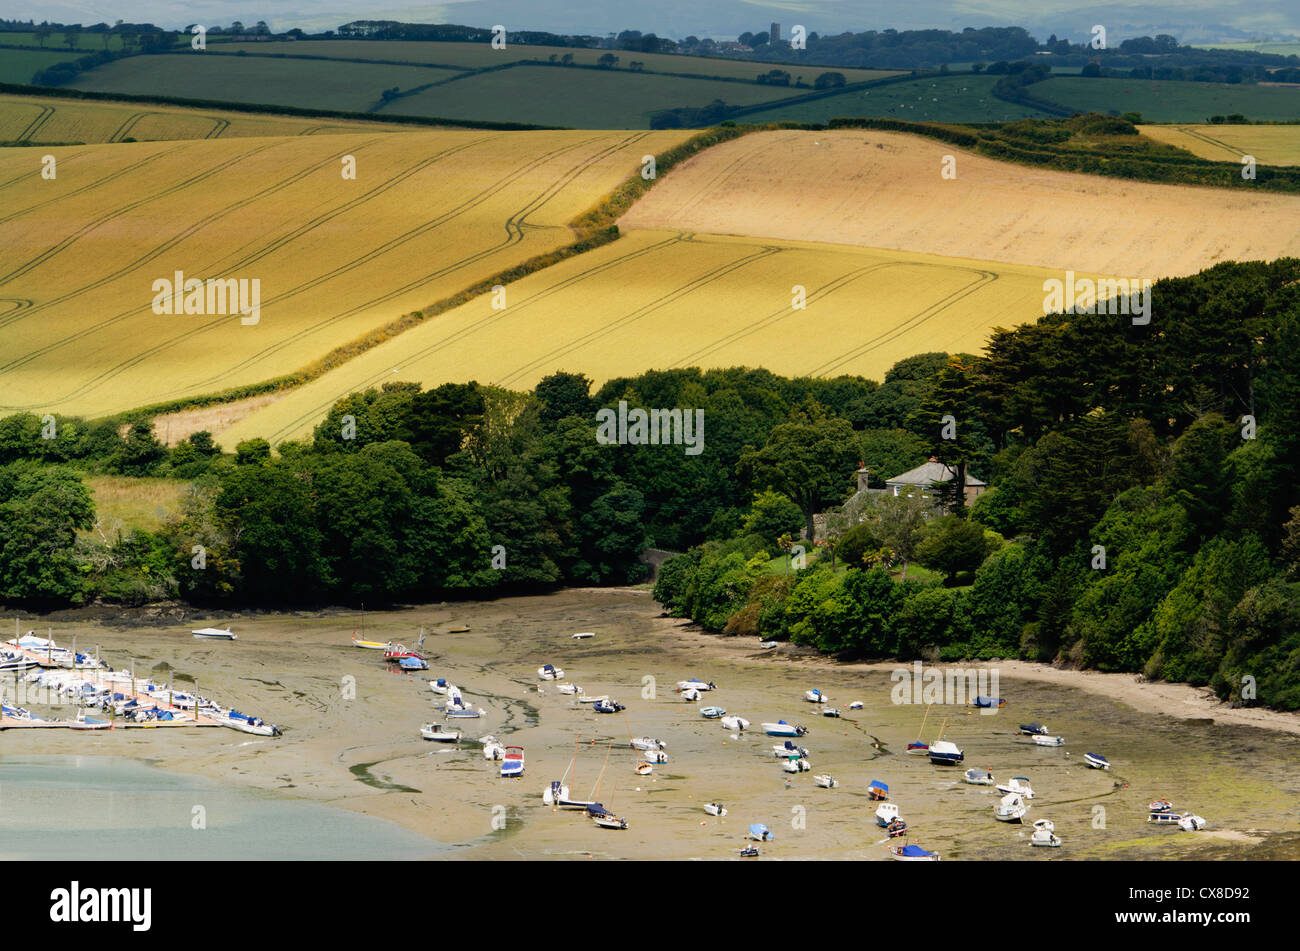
x=1281, y=49
x=86, y=42
x=352, y=87
x=471, y=56
x=1169, y=101
x=18, y=66
x=962, y=98
x=579, y=98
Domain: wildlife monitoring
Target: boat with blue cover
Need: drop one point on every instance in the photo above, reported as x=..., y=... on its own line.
x=712, y=713
x=781, y=728
x=912, y=853
x=512, y=767
x=760, y=833
x=1096, y=761
x=877, y=790
x=988, y=702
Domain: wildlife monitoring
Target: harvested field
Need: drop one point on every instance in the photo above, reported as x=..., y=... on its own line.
x=883, y=189
x=1270, y=144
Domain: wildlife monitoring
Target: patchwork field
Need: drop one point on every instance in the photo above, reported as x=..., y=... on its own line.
x=962, y=98
x=467, y=56
x=666, y=299
x=1169, y=100
x=429, y=214
x=883, y=190
x=1270, y=144
x=19, y=66
x=36, y=119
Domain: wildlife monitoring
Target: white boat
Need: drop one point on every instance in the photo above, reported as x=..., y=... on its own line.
x=855, y=705
x=647, y=743
x=583, y=698
x=767, y=645
x=912, y=853
x=441, y=685
x=830, y=712
x=715, y=809
x=1191, y=823
x=1010, y=808
x=815, y=696
x=712, y=713
x=1044, y=835
x=781, y=728
x=760, y=833
x=607, y=820
x=788, y=749
x=549, y=672
x=826, y=781
x=943, y=753
x=1017, y=786
x=214, y=633
x=796, y=764
x=372, y=645
x=978, y=777
x=584, y=635
x=886, y=813
x=1096, y=761
x=691, y=695
x=655, y=756
x=553, y=794
x=643, y=769
x=735, y=724
x=439, y=733
x=83, y=722
x=568, y=688
x=1049, y=740
x=512, y=767
x=492, y=748
x=247, y=724
x=696, y=684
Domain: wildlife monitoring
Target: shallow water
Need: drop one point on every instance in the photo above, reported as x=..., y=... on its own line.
x=105, y=807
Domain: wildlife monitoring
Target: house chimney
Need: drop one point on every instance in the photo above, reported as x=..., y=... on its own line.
x=864, y=476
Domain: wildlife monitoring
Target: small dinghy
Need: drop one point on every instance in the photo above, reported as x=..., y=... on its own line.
x=1049, y=740
x=715, y=809
x=1033, y=729
x=440, y=685
x=912, y=853
x=643, y=769
x=979, y=777
x=83, y=722
x=826, y=781
x=1191, y=823
x=655, y=756
x=413, y=663
x=549, y=672
x=796, y=764
x=1017, y=786
x=760, y=833
x=214, y=634
x=583, y=698
x=781, y=728
x=815, y=696
x=1161, y=812
x=439, y=733
x=789, y=749
x=695, y=684
x=492, y=748
x=735, y=724
x=607, y=706
x=712, y=713
x=512, y=767
x=1044, y=835
x=767, y=645
x=855, y=705
x=886, y=813
x=584, y=635
x=830, y=712
x=647, y=743
x=1096, y=761
x=896, y=828
x=877, y=790
x=1160, y=805
x=568, y=688
x=749, y=852
x=248, y=724
x=988, y=702
x=1010, y=808
x=691, y=695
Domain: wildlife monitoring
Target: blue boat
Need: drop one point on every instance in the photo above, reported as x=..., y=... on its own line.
x=413, y=663
x=760, y=833
x=988, y=702
x=1096, y=761
x=877, y=790
x=913, y=853
x=943, y=753
x=607, y=706
x=712, y=713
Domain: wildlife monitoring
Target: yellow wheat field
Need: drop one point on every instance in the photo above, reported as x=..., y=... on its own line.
x=427, y=215
x=40, y=119
x=668, y=299
x=885, y=190
x=1270, y=144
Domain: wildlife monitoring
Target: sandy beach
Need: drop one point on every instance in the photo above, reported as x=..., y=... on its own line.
x=351, y=737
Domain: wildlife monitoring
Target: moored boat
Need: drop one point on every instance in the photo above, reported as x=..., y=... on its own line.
x=735, y=724
x=603, y=818
x=83, y=722
x=1096, y=761
x=583, y=635
x=989, y=702
x=413, y=663
x=877, y=790
x=647, y=743
x=691, y=695
x=248, y=724
x=1191, y=823
x=568, y=688
x=440, y=734
x=607, y=706
x=1010, y=808
x=712, y=713
x=655, y=756
x=796, y=764
x=886, y=813
x=912, y=853
x=815, y=696
x=512, y=767
x=1044, y=835
x=715, y=809
x=371, y=645
x=978, y=777
x=1018, y=786
x=696, y=684
x=550, y=672
x=788, y=749
x=781, y=728
x=943, y=753
x=214, y=634
x=760, y=833
x=1033, y=729
x=492, y=748
x=1043, y=740
x=896, y=828
x=826, y=781
x=441, y=685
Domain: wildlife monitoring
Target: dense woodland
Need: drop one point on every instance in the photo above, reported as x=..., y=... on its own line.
x=1144, y=512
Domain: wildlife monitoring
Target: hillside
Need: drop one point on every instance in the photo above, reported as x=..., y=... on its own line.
x=880, y=189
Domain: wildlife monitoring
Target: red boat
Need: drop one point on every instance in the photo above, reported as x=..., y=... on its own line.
x=398, y=652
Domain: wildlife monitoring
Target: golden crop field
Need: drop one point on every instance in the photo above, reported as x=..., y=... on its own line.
x=1270, y=144
x=38, y=119
x=669, y=299
x=884, y=190
x=428, y=215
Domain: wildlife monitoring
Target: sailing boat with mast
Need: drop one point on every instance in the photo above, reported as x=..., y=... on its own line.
x=944, y=753
x=557, y=794
x=362, y=642
x=598, y=813
x=918, y=745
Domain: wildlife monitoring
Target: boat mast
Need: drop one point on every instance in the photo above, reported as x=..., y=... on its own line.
x=921, y=732
x=596, y=795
